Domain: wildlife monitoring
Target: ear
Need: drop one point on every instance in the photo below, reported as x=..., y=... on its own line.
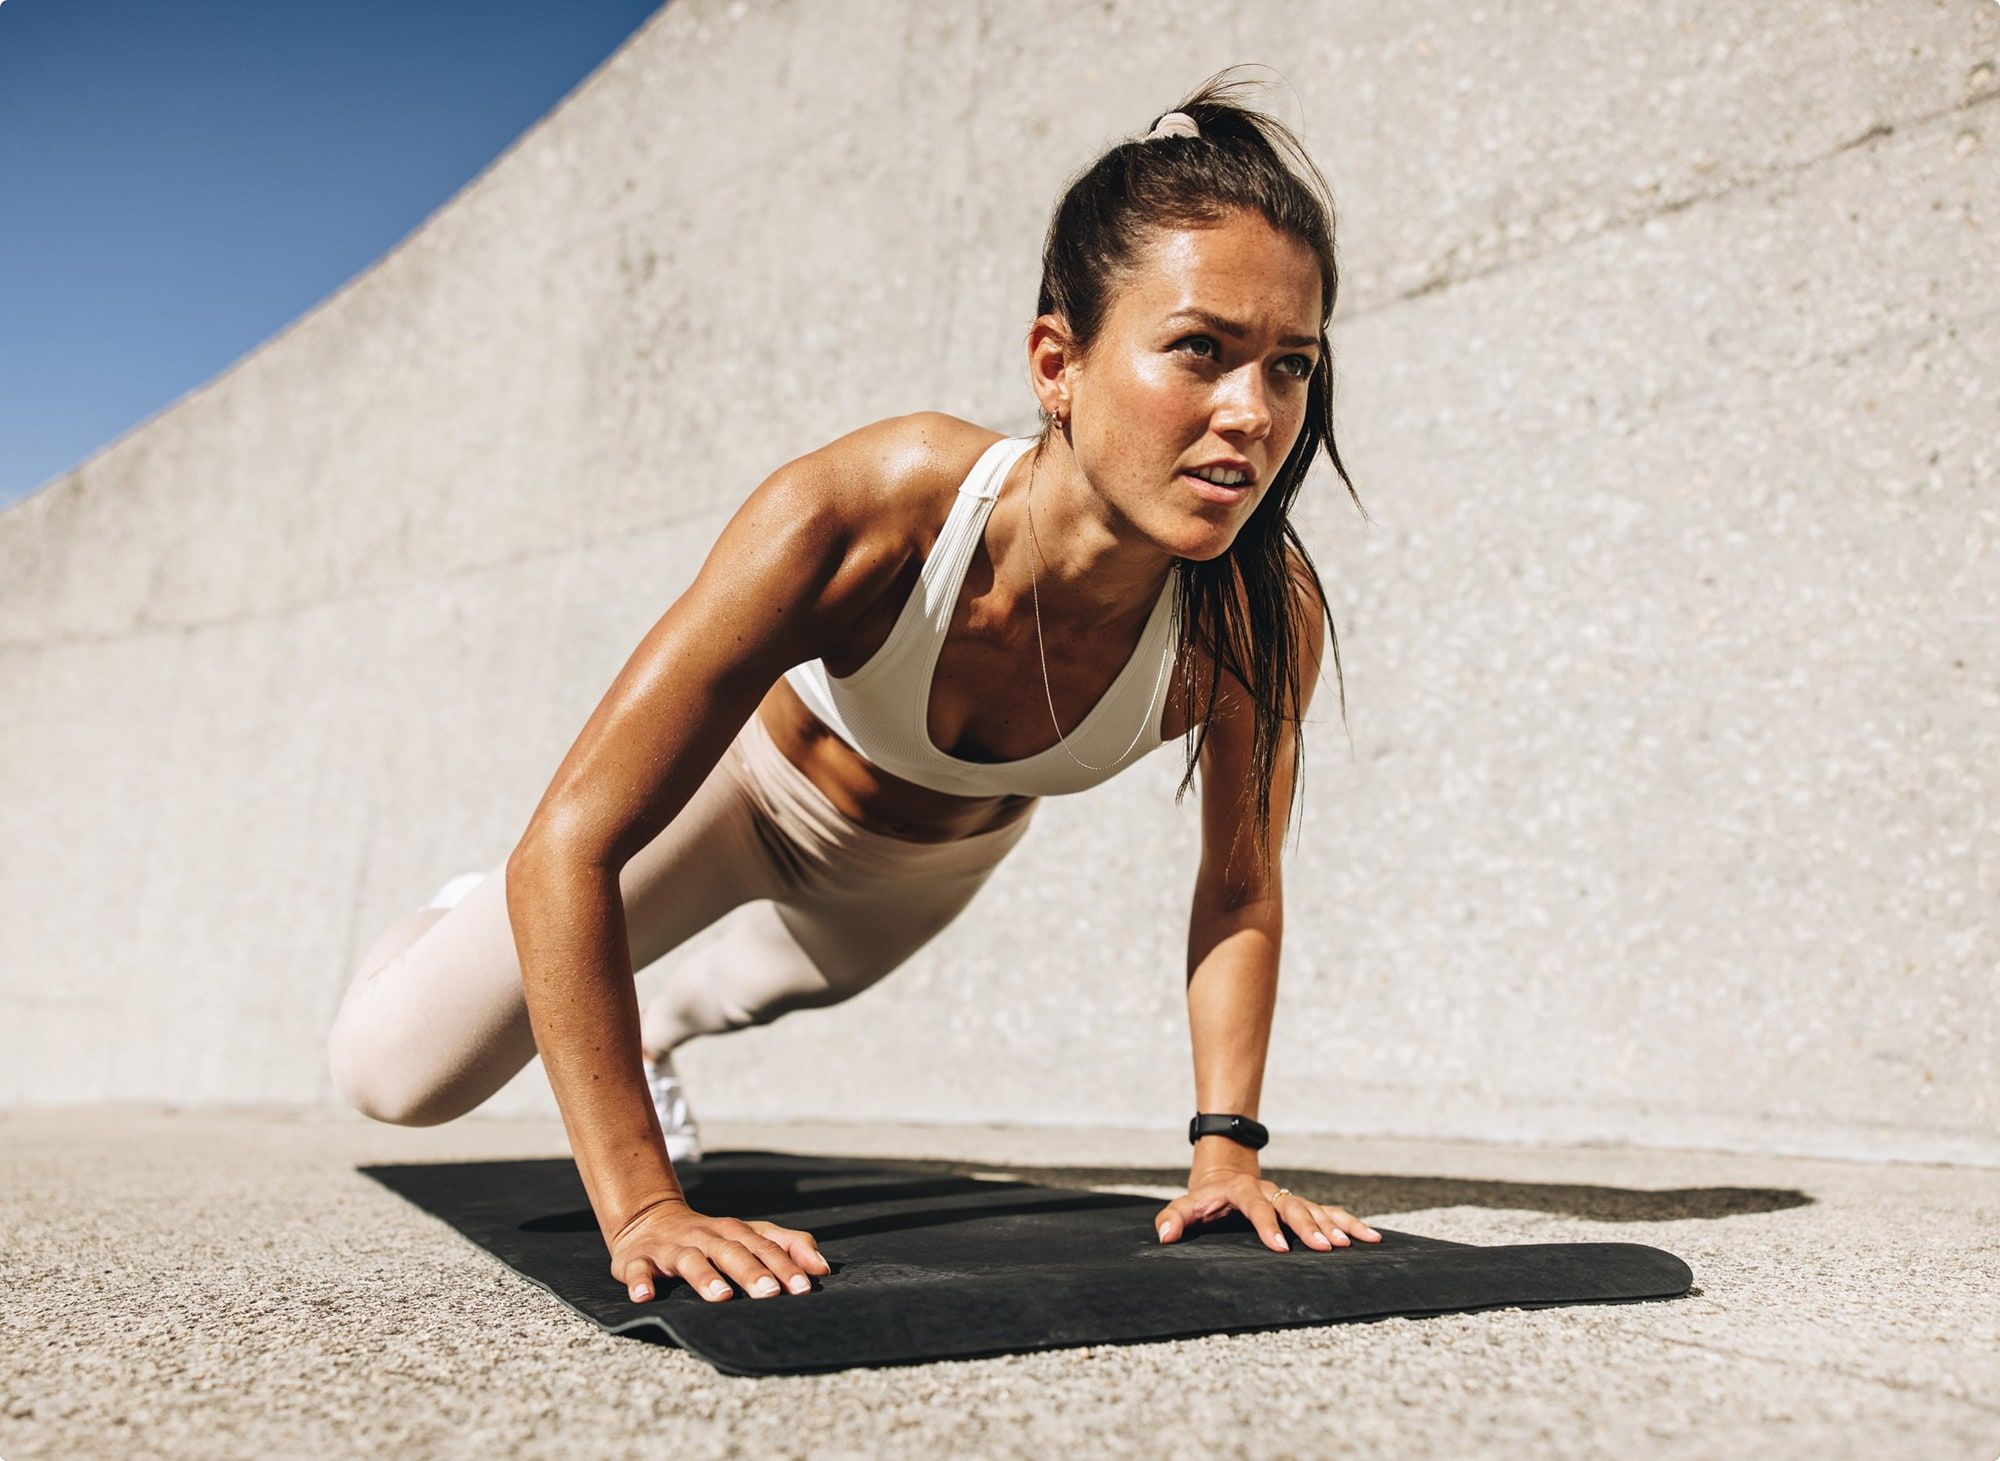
x=1050, y=360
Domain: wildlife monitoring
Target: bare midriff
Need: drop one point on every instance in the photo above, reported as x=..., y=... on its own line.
x=865, y=793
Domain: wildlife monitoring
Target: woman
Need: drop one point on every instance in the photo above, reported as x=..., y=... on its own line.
x=898, y=644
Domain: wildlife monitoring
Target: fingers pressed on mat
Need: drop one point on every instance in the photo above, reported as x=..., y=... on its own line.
x=639, y=1276
x=774, y=1257
x=701, y=1275
x=796, y=1243
x=736, y=1258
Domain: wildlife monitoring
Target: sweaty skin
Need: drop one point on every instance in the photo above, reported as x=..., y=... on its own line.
x=988, y=701
x=1199, y=365
x=1148, y=405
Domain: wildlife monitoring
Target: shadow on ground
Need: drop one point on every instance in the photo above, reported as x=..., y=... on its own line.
x=1381, y=1194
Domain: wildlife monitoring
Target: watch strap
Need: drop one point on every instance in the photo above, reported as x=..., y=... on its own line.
x=1243, y=1129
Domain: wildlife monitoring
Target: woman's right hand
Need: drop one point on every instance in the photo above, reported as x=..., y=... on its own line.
x=671, y=1239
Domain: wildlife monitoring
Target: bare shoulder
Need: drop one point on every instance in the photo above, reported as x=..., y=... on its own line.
x=880, y=477
x=885, y=488
x=851, y=516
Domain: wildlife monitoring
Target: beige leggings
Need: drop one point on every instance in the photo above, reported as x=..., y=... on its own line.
x=434, y=1020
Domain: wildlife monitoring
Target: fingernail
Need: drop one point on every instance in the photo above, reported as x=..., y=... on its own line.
x=1283, y=1246
x=1163, y=1232
x=642, y=1293
x=800, y=1283
x=718, y=1288
x=764, y=1285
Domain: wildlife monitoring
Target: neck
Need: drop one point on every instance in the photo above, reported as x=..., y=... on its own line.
x=1091, y=567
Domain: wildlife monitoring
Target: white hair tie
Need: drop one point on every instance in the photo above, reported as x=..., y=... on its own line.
x=1173, y=124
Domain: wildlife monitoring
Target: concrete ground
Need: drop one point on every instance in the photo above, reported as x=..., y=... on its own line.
x=222, y=1285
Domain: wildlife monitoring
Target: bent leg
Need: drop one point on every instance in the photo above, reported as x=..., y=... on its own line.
x=754, y=969
x=804, y=951
x=435, y=1019
x=852, y=904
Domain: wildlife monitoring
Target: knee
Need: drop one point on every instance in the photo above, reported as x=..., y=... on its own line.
x=370, y=1085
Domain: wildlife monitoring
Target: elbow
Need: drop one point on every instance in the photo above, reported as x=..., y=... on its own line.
x=540, y=864
x=533, y=859
x=1236, y=897
x=557, y=840
x=1218, y=913
x=547, y=851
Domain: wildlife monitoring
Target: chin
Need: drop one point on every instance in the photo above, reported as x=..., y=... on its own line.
x=1204, y=546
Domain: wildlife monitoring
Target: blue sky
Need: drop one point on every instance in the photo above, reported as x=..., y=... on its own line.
x=180, y=179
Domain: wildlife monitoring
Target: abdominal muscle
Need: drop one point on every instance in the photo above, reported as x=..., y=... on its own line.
x=865, y=793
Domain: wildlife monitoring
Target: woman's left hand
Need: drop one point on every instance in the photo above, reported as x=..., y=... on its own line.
x=1212, y=1193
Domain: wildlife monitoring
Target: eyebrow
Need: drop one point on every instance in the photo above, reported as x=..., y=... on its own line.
x=1232, y=329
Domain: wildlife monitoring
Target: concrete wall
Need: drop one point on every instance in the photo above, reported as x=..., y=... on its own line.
x=1669, y=360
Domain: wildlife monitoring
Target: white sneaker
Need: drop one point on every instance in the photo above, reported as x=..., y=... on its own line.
x=452, y=892
x=670, y=1103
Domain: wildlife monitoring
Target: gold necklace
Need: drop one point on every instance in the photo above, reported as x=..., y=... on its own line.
x=1034, y=586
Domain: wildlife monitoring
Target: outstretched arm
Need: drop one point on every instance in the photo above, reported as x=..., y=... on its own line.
x=1235, y=933
x=752, y=611
x=783, y=583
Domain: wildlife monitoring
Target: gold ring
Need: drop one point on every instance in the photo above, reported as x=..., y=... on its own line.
x=1281, y=1192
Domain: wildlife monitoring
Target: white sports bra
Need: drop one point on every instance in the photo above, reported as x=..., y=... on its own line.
x=881, y=709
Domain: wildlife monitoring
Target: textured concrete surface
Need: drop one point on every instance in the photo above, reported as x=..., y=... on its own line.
x=1668, y=356
x=225, y=1285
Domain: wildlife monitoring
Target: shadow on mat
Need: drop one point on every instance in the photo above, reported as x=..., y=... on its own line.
x=753, y=1193
x=1371, y=1195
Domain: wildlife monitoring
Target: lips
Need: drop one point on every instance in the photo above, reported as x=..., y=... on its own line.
x=1215, y=491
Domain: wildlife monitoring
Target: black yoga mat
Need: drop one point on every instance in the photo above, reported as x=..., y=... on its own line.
x=931, y=1263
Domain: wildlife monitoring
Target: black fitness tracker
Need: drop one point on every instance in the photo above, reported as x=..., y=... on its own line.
x=1237, y=1128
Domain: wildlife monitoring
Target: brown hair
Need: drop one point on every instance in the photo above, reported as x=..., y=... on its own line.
x=1106, y=216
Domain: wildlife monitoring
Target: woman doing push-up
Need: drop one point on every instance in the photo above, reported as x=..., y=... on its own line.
x=897, y=646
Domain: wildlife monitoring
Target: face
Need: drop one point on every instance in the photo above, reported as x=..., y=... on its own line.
x=1204, y=358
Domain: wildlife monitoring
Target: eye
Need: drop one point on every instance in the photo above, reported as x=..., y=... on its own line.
x=1300, y=367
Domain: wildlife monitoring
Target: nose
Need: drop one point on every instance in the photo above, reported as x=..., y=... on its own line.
x=1244, y=409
